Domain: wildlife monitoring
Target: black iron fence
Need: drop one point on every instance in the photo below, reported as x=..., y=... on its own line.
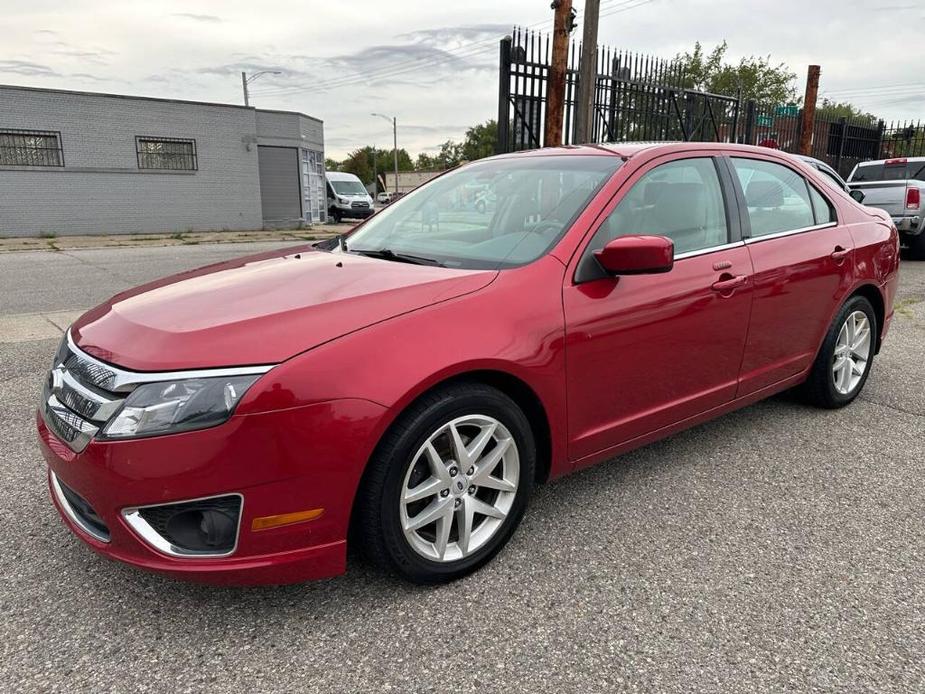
x=642, y=98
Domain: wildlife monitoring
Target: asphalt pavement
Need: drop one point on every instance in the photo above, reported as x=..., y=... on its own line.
x=780, y=548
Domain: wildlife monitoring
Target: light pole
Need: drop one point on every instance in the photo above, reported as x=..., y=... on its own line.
x=245, y=80
x=375, y=177
x=394, y=122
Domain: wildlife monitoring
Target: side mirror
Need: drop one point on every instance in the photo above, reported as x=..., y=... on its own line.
x=858, y=195
x=637, y=255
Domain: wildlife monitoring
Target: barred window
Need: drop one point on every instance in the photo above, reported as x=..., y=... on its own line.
x=172, y=154
x=30, y=148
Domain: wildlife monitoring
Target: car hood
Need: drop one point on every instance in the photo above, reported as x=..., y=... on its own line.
x=260, y=309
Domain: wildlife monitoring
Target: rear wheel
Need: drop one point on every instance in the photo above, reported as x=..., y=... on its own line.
x=448, y=484
x=844, y=361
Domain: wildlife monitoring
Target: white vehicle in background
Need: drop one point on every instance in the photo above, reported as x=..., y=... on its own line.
x=347, y=197
x=384, y=198
x=896, y=186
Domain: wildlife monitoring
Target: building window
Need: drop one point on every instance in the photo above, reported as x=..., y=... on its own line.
x=166, y=153
x=30, y=148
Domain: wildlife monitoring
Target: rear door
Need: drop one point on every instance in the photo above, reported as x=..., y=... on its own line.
x=803, y=264
x=646, y=351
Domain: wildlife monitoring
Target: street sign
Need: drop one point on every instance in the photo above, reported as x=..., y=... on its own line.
x=786, y=111
x=764, y=121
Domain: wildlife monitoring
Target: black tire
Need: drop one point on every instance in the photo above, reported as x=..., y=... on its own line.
x=336, y=216
x=378, y=525
x=819, y=388
x=916, y=247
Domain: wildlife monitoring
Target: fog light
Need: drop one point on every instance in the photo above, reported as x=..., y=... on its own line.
x=203, y=530
x=199, y=528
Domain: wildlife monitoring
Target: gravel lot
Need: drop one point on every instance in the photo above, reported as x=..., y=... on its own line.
x=779, y=548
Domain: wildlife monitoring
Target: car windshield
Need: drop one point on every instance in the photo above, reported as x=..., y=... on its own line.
x=489, y=214
x=348, y=187
x=899, y=170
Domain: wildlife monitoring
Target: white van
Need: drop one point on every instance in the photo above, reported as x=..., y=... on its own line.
x=347, y=197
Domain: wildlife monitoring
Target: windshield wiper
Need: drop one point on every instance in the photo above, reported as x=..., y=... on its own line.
x=389, y=254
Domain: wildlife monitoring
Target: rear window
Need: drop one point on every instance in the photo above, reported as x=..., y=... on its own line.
x=899, y=171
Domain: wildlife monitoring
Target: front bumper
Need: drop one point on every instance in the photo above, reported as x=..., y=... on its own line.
x=309, y=457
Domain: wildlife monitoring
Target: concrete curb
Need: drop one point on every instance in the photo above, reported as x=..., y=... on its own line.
x=70, y=243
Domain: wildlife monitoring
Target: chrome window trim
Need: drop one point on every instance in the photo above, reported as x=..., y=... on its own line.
x=711, y=249
x=781, y=234
x=124, y=381
x=69, y=512
x=156, y=541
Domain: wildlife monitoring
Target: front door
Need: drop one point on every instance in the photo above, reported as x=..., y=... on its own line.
x=647, y=351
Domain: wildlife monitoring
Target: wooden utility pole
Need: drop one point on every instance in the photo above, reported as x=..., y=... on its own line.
x=587, y=74
x=809, y=110
x=555, y=82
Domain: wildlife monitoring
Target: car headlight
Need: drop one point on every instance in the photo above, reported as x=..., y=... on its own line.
x=174, y=406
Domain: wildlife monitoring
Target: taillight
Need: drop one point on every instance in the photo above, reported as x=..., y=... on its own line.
x=913, y=198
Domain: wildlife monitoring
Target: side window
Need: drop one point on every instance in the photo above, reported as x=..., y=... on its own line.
x=825, y=213
x=777, y=197
x=681, y=200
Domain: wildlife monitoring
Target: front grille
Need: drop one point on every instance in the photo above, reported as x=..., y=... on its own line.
x=80, y=511
x=357, y=204
x=78, y=398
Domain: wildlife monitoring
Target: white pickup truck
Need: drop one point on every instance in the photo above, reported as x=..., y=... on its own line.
x=896, y=186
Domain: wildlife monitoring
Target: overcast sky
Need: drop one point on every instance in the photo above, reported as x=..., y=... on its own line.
x=433, y=64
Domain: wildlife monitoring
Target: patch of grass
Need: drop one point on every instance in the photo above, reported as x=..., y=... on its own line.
x=178, y=236
x=902, y=307
x=48, y=235
x=190, y=242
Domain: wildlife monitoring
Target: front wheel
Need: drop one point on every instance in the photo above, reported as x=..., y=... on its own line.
x=448, y=485
x=844, y=361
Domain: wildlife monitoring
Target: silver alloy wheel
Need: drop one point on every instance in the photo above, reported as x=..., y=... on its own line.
x=852, y=352
x=459, y=488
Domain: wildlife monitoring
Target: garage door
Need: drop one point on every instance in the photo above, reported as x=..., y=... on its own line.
x=279, y=183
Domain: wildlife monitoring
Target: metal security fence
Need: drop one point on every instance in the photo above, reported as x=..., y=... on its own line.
x=642, y=98
x=636, y=97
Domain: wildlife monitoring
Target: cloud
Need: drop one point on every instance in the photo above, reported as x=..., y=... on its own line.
x=24, y=67
x=205, y=18
x=463, y=32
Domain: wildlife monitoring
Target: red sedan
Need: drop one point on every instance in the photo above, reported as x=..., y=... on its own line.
x=407, y=386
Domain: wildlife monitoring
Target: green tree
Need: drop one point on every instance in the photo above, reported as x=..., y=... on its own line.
x=480, y=141
x=757, y=77
x=331, y=165
x=360, y=163
x=426, y=162
x=451, y=154
x=833, y=110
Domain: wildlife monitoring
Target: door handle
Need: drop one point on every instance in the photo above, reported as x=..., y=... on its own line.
x=839, y=254
x=729, y=283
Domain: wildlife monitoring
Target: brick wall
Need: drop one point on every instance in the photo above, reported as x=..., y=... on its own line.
x=101, y=190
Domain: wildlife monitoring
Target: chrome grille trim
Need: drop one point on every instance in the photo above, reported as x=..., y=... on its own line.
x=66, y=425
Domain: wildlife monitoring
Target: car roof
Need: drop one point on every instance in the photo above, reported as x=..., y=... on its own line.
x=628, y=150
